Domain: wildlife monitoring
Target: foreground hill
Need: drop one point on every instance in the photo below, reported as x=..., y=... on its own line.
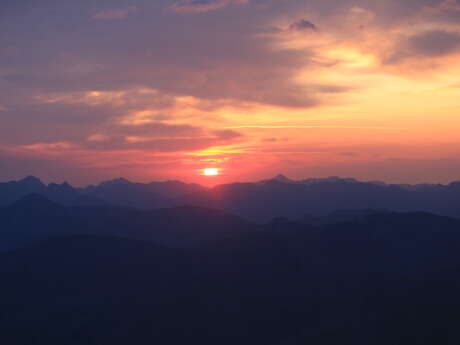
x=380, y=279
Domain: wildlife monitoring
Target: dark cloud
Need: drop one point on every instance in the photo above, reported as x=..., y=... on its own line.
x=101, y=125
x=435, y=43
x=427, y=44
x=227, y=134
x=159, y=129
x=179, y=55
x=302, y=25
x=198, y=6
x=59, y=46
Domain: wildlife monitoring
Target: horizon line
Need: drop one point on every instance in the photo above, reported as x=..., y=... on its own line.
x=277, y=177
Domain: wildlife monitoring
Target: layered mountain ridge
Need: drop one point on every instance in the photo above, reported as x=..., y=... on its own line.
x=259, y=201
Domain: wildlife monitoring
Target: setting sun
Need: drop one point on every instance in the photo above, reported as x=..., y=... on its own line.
x=211, y=172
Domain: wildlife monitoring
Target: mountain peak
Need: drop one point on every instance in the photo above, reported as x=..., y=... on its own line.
x=330, y=179
x=117, y=181
x=282, y=178
x=32, y=181
x=60, y=187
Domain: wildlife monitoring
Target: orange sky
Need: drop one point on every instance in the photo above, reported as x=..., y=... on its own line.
x=368, y=89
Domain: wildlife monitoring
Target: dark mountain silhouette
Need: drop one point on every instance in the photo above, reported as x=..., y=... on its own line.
x=175, y=227
x=318, y=197
x=34, y=217
x=61, y=193
x=14, y=190
x=384, y=278
x=141, y=195
x=332, y=263
x=260, y=201
x=340, y=216
x=263, y=201
x=279, y=178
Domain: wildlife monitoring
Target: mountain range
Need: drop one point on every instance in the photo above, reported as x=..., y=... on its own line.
x=259, y=201
x=275, y=262
x=105, y=274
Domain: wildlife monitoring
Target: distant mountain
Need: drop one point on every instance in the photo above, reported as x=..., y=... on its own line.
x=341, y=216
x=119, y=192
x=61, y=193
x=14, y=190
x=281, y=196
x=34, y=217
x=260, y=201
x=279, y=178
x=141, y=195
x=174, y=227
x=310, y=181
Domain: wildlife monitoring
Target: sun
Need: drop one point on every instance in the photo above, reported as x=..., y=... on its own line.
x=211, y=172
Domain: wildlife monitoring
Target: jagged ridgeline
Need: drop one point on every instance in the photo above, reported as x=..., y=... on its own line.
x=260, y=201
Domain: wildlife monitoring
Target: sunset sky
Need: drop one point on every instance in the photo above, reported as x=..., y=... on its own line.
x=162, y=89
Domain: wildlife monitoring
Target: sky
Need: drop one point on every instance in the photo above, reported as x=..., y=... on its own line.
x=162, y=89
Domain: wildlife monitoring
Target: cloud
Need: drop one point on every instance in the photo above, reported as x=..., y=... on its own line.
x=427, y=44
x=97, y=127
x=128, y=93
x=115, y=14
x=269, y=140
x=200, y=6
x=348, y=154
x=161, y=137
x=377, y=128
x=180, y=56
x=303, y=25
x=435, y=43
x=445, y=6
x=227, y=134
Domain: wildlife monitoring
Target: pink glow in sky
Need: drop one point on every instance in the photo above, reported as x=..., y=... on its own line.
x=157, y=90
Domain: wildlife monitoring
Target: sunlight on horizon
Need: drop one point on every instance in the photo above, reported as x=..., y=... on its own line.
x=211, y=172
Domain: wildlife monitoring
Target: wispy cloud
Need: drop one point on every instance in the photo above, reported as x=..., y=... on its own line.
x=446, y=5
x=116, y=14
x=199, y=6
x=312, y=127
